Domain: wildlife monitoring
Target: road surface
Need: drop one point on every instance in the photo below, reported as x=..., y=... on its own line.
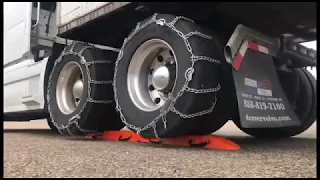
x=31, y=150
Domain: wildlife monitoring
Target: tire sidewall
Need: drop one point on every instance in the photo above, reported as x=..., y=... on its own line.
x=55, y=113
x=152, y=32
x=206, y=75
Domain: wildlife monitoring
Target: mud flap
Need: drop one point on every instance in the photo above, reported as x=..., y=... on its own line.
x=262, y=102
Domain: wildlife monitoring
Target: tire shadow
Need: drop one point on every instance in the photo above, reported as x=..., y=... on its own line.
x=293, y=143
x=45, y=133
x=36, y=132
x=253, y=144
x=30, y=131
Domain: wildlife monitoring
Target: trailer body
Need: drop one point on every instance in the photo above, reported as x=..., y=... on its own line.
x=81, y=20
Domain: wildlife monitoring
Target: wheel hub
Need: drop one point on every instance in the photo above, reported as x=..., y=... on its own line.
x=151, y=74
x=78, y=89
x=161, y=78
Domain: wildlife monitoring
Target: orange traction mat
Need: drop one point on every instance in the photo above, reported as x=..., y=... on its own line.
x=208, y=141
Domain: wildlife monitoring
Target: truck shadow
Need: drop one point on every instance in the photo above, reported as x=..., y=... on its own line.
x=294, y=143
x=251, y=144
x=42, y=132
x=30, y=131
x=246, y=142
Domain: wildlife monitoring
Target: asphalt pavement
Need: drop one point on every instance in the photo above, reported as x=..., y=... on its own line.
x=31, y=150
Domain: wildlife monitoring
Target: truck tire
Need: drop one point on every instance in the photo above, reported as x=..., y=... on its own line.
x=306, y=97
x=166, y=77
x=226, y=107
x=56, y=52
x=52, y=127
x=79, y=94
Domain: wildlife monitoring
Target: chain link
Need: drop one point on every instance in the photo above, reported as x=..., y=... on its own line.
x=72, y=47
x=75, y=119
x=68, y=129
x=154, y=126
x=164, y=120
x=100, y=82
x=198, y=34
x=202, y=91
x=99, y=62
x=205, y=58
x=100, y=101
x=201, y=113
x=188, y=75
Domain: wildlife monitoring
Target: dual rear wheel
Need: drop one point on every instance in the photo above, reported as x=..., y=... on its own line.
x=169, y=79
x=300, y=89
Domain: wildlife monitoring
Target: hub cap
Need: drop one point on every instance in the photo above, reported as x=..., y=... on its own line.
x=151, y=75
x=161, y=78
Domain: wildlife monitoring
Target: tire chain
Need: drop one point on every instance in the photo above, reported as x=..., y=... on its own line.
x=75, y=118
x=188, y=75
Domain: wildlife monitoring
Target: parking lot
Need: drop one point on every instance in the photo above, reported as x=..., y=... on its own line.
x=31, y=150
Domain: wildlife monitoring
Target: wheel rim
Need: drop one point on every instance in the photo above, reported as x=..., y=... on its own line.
x=69, y=87
x=151, y=75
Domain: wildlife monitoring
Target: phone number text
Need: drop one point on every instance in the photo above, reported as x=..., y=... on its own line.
x=263, y=105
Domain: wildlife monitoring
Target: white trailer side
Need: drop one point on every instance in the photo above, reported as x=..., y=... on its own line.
x=74, y=14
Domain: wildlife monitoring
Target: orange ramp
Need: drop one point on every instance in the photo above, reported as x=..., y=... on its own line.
x=208, y=141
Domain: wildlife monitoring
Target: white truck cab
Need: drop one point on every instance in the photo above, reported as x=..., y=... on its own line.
x=28, y=38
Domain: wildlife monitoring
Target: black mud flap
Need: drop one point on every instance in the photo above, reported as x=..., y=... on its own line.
x=261, y=100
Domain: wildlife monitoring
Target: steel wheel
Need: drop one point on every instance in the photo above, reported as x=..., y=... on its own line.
x=79, y=97
x=148, y=77
x=69, y=87
x=151, y=75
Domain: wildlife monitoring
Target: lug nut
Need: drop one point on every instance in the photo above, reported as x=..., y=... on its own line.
x=168, y=63
x=157, y=100
x=160, y=58
x=151, y=87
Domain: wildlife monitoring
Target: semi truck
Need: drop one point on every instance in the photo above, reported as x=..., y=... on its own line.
x=161, y=69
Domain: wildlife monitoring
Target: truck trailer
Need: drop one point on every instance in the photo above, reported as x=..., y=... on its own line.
x=161, y=69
